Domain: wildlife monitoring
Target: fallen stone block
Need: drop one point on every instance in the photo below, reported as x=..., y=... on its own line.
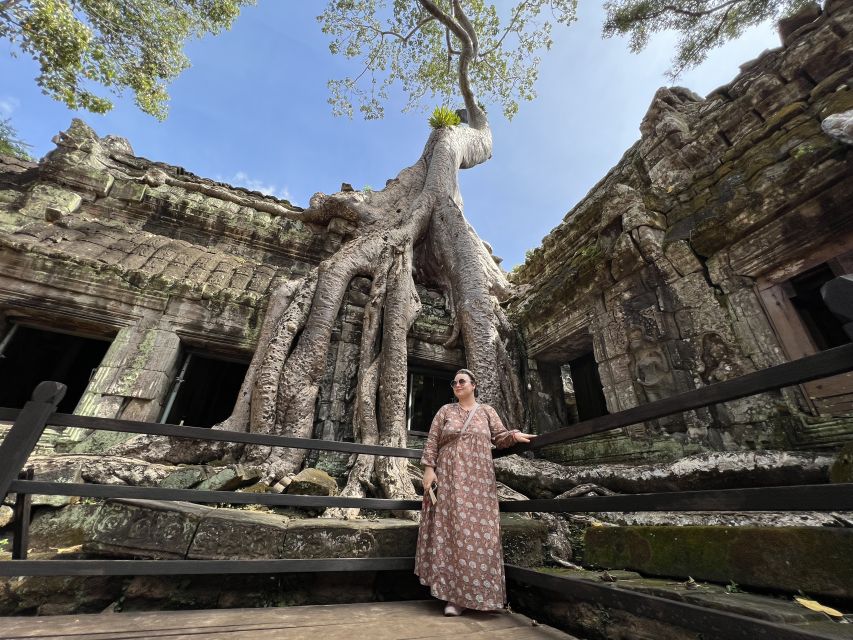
x=163, y=530
x=145, y=529
x=814, y=560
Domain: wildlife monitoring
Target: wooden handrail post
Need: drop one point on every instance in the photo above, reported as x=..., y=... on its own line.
x=21, y=531
x=25, y=433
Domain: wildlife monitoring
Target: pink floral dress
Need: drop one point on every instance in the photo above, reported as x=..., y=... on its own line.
x=459, y=553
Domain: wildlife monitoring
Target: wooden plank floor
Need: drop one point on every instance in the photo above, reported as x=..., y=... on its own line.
x=369, y=621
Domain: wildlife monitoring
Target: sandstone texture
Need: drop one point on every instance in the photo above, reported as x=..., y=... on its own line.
x=161, y=530
x=591, y=620
x=313, y=482
x=99, y=242
x=842, y=467
x=676, y=269
x=115, y=470
x=722, y=470
x=813, y=560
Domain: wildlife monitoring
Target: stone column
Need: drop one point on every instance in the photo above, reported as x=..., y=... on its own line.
x=131, y=383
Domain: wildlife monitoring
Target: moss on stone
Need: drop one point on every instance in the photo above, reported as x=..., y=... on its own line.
x=814, y=560
x=842, y=468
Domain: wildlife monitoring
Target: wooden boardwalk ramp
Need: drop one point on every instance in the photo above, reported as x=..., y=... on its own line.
x=368, y=621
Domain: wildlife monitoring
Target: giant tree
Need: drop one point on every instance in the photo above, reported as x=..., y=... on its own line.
x=460, y=51
x=450, y=51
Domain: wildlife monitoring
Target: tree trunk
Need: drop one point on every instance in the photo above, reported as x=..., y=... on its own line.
x=420, y=208
x=414, y=224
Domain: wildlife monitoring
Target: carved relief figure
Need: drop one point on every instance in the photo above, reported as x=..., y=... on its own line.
x=651, y=368
x=719, y=362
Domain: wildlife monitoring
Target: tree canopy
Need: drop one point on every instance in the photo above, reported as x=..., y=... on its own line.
x=10, y=144
x=112, y=44
x=702, y=24
x=406, y=43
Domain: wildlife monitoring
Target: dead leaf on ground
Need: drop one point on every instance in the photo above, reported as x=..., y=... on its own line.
x=814, y=605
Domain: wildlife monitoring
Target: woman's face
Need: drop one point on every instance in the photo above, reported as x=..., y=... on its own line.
x=463, y=389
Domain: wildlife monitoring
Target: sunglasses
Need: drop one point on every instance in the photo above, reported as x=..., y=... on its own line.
x=458, y=383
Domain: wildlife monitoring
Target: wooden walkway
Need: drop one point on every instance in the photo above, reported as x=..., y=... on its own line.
x=369, y=621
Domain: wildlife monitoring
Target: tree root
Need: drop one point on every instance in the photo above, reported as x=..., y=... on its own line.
x=584, y=489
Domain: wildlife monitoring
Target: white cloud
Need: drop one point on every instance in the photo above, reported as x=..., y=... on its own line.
x=8, y=106
x=243, y=179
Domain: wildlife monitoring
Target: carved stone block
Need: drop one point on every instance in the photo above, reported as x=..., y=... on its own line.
x=128, y=190
x=146, y=528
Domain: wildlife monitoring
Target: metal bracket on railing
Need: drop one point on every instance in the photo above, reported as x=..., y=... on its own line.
x=25, y=433
x=21, y=530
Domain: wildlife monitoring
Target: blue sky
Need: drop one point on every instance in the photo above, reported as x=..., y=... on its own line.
x=252, y=111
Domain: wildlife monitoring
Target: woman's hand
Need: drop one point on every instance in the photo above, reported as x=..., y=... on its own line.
x=520, y=438
x=429, y=478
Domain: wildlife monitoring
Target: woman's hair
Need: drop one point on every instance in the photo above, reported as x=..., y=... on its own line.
x=471, y=377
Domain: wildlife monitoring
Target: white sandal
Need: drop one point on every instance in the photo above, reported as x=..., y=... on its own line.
x=451, y=609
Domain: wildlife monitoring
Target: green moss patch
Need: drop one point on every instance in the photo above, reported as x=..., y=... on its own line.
x=816, y=561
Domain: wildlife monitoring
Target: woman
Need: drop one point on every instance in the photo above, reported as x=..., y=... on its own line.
x=459, y=552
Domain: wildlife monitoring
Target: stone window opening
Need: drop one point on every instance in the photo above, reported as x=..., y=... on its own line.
x=31, y=354
x=822, y=325
x=588, y=390
x=204, y=390
x=804, y=326
x=572, y=390
x=428, y=390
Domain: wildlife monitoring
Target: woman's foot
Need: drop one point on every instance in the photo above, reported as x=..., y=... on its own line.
x=451, y=609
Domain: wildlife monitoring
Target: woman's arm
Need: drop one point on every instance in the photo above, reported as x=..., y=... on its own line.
x=430, y=453
x=501, y=436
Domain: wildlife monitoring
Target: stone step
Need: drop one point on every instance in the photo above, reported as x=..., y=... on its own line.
x=148, y=529
x=577, y=616
x=814, y=560
x=175, y=530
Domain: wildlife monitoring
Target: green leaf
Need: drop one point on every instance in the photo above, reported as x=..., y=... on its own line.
x=443, y=117
x=84, y=46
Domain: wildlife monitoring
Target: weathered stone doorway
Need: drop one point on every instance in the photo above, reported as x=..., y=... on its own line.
x=428, y=390
x=572, y=390
x=588, y=391
x=804, y=325
x=823, y=326
x=29, y=355
x=204, y=391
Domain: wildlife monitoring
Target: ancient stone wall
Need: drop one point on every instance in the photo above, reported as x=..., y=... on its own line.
x=99, y=242
x=678, y=269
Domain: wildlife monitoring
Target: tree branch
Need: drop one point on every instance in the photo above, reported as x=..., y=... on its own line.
x=446, y=20
x=508, y=29
x=476, y=116
x=699, y=14
x=403, y=38
x=670, y=8
x=8, y=4
x=449, y=48
x=469, y=28
x=706, y=41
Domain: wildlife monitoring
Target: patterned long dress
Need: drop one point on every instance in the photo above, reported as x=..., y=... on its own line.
x=459, y=553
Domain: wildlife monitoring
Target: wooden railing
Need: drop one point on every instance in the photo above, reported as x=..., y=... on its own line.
x=30, y=422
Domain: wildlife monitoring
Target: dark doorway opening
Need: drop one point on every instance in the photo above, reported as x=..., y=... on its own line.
x=824, y=327
x=428, y=390
x=561, y=408
x=29, y=356
x=204, y=392
x=589, y=396
x=571, y=392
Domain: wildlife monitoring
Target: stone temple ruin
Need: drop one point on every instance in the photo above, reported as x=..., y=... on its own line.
x=698, y=258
